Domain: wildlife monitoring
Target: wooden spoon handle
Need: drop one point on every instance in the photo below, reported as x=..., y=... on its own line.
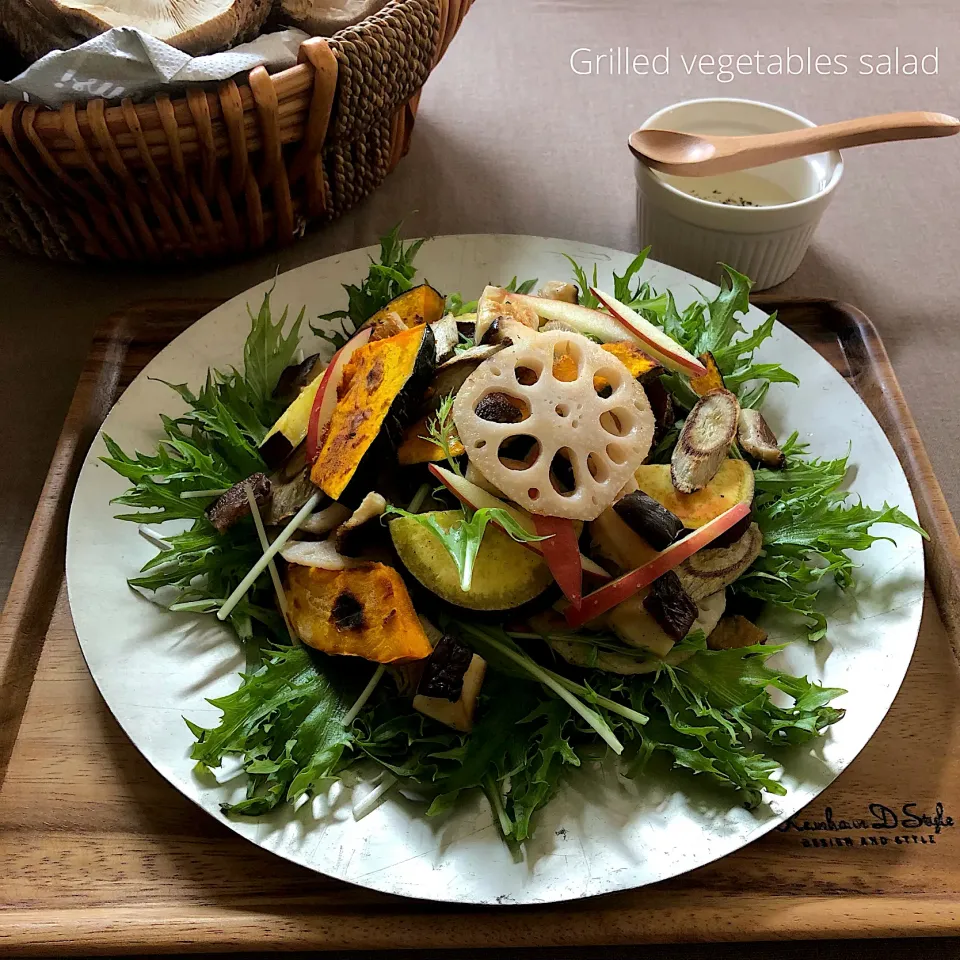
x=771, y=147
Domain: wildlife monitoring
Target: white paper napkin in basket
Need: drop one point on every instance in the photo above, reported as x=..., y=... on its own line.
x=125, y=62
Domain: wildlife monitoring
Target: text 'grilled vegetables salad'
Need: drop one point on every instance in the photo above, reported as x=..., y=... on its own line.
x=484, y=542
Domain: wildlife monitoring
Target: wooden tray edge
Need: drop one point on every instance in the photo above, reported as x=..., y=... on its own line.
x=146, y=929
x=33, y=592
x=778, y=918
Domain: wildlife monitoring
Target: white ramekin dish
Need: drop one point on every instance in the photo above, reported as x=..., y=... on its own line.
x=766, y=243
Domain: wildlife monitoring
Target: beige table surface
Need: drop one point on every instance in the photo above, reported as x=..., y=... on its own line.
x=509, y=139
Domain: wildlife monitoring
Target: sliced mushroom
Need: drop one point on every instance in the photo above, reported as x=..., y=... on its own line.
x=450, y=684
x=758, y=440
x=495, y=303
x=317, y=553
x=452, y=374
x=199, y=27
x=350, y=535
x=583, y=655
x=289, y=495
x=559, y=290
x=446, y=336
x=714, y=568
x=735, y=632
x=324, y=521
x=506, y=331
x=233, y=505
x=704, y=441
x=645, y=516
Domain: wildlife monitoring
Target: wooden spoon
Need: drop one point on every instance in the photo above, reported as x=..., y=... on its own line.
x=704, y=155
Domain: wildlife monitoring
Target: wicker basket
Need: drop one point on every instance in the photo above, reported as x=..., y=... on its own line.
x=225, y=173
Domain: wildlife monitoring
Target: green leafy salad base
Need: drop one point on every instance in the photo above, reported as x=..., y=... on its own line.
x=292, y=721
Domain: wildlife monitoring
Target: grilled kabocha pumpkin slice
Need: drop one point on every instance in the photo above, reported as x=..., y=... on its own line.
x=711, y=380
x=732, y=484
x=417, y=447
x=383, y=385
x=363, y=611
x=417, y=306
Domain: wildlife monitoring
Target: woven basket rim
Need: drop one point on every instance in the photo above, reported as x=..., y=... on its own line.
x=293, y=80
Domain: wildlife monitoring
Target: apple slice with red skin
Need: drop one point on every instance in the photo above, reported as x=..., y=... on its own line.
x=562, y=553
x=655, y=341
x=624, y=587
x=582, y=319
x=476, y=497
x=326, y=398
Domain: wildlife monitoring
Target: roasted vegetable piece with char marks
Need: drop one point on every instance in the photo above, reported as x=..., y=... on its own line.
x=732, y=484
x=704, y=441
x=364, y=611
x=382, y=387
x=450, y=684
x=711, y=380
x=416, y=306
x=233, y=505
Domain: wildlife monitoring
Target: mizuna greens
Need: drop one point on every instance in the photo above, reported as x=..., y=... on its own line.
x=706, y=711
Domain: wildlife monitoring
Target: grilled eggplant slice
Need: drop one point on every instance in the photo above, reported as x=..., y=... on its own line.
x=383, y=385
x=714, y=568
x=233, y=505
x=645, y=516
x=446, y=336
x=757, y=440
x=450, y=684
x=708, y=613
x=363, y=611
x=704, y=441
x=452, y=374
x=290, y=430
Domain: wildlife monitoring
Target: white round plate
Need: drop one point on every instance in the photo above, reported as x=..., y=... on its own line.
x=600, y=833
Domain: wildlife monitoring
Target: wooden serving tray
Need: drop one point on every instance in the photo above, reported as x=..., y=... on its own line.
x=99, y=854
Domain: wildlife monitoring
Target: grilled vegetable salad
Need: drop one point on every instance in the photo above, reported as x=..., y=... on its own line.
x=475, y=544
